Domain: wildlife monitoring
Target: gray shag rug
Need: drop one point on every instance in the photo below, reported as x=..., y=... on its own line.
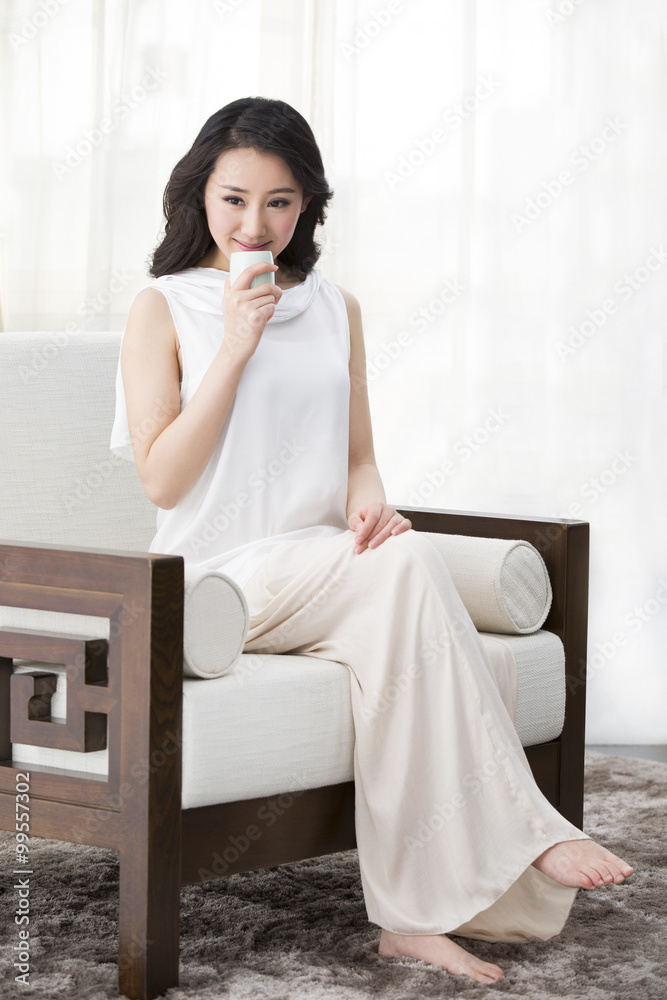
x=301, y=931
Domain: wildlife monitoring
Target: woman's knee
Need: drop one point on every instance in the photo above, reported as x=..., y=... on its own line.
x=398, y=554
x=412, y=543
x=414, y=548
x=406, y=547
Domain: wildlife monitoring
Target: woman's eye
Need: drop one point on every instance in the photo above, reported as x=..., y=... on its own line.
x=276, y=201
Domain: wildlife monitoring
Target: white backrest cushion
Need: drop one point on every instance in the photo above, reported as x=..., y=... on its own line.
x=59, y=482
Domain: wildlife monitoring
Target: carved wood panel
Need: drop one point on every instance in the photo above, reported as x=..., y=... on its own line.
x=90, y=694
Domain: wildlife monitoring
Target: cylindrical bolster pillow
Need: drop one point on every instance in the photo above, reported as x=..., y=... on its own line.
x=503, y=584
x=215, y=623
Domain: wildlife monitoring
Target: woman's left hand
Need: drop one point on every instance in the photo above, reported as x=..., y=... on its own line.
x=374, y=523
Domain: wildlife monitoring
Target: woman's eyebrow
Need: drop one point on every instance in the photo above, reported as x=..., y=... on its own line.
x=229, y=187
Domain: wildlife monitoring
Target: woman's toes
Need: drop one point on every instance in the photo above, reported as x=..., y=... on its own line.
x=612, y=869
x=617, y=868
x=622, y=871
x=488, y=974
x=617, y=865
x=603, y=875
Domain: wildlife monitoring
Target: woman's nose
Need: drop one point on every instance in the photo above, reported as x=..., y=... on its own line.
x=253, y=225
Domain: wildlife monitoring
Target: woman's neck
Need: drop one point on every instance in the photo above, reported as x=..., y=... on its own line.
x=287, y=279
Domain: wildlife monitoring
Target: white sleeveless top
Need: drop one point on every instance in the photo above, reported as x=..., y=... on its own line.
x=279, y=470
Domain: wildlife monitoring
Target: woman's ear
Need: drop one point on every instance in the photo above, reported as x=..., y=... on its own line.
x=306, y=202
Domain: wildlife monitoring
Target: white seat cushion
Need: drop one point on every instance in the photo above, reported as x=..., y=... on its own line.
x=282, y=723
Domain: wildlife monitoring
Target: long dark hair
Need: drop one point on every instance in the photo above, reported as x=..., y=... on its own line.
x=268, y=126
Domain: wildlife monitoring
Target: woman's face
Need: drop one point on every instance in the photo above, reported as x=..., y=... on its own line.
x=253, y=201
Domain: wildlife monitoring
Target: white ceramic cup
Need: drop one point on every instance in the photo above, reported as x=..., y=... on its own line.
x=244, y=258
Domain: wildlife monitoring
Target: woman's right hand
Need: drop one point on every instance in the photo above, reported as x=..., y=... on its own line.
x=247, y=311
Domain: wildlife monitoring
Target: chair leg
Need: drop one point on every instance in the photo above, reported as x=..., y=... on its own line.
x=148, y=925
x=150, y=848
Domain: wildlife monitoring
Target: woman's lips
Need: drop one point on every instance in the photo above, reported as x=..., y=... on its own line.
x=258, y=246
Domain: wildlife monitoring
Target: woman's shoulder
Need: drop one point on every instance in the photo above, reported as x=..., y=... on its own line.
x=150, y=303
x=149, y=321
x=353, y=312
x=354, y=320
x=351, y=301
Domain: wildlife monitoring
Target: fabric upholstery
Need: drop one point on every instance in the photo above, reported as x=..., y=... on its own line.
x=60, y=483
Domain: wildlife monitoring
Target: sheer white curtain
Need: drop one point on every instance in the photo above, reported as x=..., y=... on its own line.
x=499, y=211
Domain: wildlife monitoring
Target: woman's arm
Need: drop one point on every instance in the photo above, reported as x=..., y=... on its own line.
x=364, y=480
x=367, y=510
x=172, y=447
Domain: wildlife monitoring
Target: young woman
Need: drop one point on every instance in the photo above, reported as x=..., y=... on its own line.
x=246, y=412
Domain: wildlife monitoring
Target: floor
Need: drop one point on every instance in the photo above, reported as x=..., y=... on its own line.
x=639, y=750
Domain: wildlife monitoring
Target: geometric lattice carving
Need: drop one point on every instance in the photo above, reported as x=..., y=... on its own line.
x=44, y=687
x=89, y=698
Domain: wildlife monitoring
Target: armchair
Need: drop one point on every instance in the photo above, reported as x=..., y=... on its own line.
x=75, y=526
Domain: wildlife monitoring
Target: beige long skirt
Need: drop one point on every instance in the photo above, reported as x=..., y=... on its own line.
x=448, y=815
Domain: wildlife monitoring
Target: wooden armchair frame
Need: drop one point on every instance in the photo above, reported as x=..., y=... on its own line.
x=136, y=680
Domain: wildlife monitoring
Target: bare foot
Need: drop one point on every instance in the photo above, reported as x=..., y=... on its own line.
x=437, y=949
x=582, y=864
